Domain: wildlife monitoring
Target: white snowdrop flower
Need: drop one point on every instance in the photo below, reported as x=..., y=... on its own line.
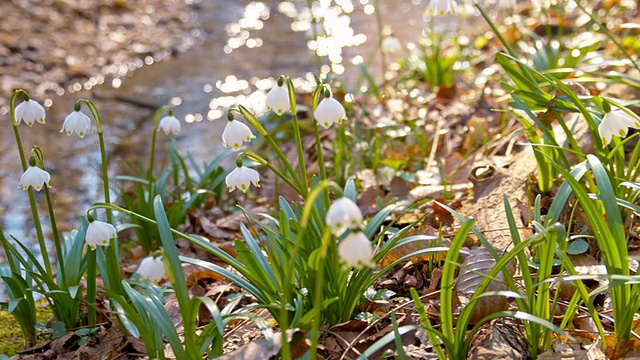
x=391, y=44
x=329, y=111
x=441, y=7
x=278, y=99
x=616, y=123
x=356, y=250
x=235, y=134
x=76, y=122
x=169, y=124
x=343, y=214
x=241, y=178
x=152, y=269
x=30, y=111
x=34, y=177
x=99, y=233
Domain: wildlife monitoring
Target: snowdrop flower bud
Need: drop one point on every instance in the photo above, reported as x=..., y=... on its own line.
x=329, y=111
x=278, y=98
x=169, y=124
x=34, y=177
x=616, y=123
x=242, y=177
x=152, y=269
x=30, y=111
x=76, y=122
x=343, y=214
x=235, y=133
x=441, y=7
x=356, y=250
x=99, y=233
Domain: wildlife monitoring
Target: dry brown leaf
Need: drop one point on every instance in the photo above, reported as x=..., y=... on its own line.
x=478, y=263
x=260, y=350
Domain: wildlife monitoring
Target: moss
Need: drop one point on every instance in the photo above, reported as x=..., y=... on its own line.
x=10, y=333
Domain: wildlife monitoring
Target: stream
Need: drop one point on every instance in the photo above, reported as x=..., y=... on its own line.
x=241, y=48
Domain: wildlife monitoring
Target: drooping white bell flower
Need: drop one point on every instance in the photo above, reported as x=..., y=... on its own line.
x=34, y=177
x=343, y=214
x=99, y=233
x=391, y=44
x=616, y=123
x=441, y=7
x=329, y=111
x=241, y=178
x=278, y=99
x=76, y=122
x=152, y=269
x=169, y=124
x=356, y=250
x=235, y=134
x=30, y=111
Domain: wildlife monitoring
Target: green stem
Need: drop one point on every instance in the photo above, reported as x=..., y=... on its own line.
x=256, y=124
x=259, y=159
x=607, y=33
x=504, y=42
x=32, y=197
x=316, y=132
x=153, y=143
x=91, y=286
x=113, y=265
x=314, y=32
x=297, y=136
x=383, y=60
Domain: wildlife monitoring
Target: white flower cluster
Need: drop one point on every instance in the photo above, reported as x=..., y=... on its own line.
x=355, y=249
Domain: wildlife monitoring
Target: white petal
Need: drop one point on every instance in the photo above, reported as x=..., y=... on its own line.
x=152, y=269
x=343, y=214
x=169, y=124
x=356, y=250
x=241, y=178
x=329, y=111
x=235, y=134
x=30, y=111
x=76, y=122
x=278, y=100
x=34, y=177
x=99, y=233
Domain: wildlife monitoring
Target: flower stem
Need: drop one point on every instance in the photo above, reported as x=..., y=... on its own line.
x=383, y=60
x=319, y=91
x=153, y=144
x=32, y=197
x=113, y=266
x=296, y=134
x=314, y=32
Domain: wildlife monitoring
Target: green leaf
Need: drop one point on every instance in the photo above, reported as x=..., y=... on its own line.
x=578, y=246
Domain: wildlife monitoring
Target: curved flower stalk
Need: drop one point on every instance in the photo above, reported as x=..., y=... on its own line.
x=39, y=157
x=153, y=138
x=298, y=180
x=28, y=116
x=112, y=276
